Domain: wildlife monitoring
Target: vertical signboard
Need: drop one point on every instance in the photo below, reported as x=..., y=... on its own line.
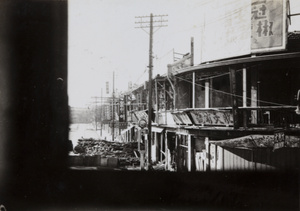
x=108, y=112
x=121, y=110
x=234, y=28
x=107, y=87
x=268, y=25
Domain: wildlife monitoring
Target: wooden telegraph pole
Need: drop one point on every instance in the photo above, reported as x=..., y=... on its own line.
x=151, y=26
x=113, y=109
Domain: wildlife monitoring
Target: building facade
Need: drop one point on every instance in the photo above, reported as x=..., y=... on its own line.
x=232, y=114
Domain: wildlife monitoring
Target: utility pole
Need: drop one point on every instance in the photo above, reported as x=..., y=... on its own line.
x=96, y=113
x=101, y=111
x=113, y=109
x=159, y=24
x=96, y=98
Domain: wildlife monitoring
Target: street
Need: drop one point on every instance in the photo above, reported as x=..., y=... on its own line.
x=86, y=131
x=78, y=131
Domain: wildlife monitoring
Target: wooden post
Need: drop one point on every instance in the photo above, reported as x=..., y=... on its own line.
x=206, y=94
x=142, y=152
x=189, y=161
x=245, y=116
x=166, y=153
x=192, y=51
x=156, y=99
x=207, y=150
x=232, y=72
x=157, y=147
x=161, y=146
x=194, y=74
x=166, y=104
x=244, y=87
x=194, y=93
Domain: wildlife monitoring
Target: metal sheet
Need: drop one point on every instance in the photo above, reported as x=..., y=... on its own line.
x=157, y=129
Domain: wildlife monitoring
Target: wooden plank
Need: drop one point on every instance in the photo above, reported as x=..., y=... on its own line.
x=268, y=108
x=225, y=156
x=189, y=156
x=220, y=158
x=234, y=97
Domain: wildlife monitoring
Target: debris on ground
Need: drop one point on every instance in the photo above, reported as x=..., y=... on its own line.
x=125, y=152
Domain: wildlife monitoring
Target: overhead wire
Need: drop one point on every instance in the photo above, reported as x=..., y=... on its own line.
x=230, y=94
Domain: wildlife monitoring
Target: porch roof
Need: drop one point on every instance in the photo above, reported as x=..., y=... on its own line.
x=238, y=61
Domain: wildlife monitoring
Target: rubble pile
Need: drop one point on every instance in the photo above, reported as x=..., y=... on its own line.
x=127, y=153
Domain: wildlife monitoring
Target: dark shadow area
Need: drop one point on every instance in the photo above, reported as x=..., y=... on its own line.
x=34, y=138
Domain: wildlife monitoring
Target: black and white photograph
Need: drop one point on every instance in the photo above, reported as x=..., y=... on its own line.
x=150, y=105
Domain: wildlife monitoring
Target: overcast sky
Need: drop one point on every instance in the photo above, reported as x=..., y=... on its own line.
x=103, y=39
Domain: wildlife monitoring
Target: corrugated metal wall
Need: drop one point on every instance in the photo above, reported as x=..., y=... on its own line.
x=257, y=159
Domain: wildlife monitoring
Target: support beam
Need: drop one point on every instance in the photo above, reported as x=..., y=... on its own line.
x=245, y=116
x=244, y=87
x=189, y=161
x=206, y=94
x=232, y=72
x=166, y=153
x=194, y=93
x=156, y=99
x=207, y=149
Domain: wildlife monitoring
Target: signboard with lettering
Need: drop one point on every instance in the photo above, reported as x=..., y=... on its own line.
x=107, y=87
x=268, y=25
x=222, y=118
x=121, y=110
x=235, y=28
x=279, y=140
x=141, y=115
x=182, y=118
x=107, y=112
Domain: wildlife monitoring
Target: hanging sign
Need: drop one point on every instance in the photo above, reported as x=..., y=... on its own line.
x=141, y=115
x=224, y=118
x=121, y=110
x=142, y=123
x=234, y=28
x=268, y=25
x=279, y=140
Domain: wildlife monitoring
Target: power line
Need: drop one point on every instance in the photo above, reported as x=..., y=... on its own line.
x=230, y=94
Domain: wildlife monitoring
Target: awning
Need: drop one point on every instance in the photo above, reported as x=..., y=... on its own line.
x=157, y=129
x=124, y=131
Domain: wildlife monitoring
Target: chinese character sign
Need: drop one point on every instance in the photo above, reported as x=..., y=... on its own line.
x=107, y=87
x=268, y=25
x=234, y=28
x=121, y=110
